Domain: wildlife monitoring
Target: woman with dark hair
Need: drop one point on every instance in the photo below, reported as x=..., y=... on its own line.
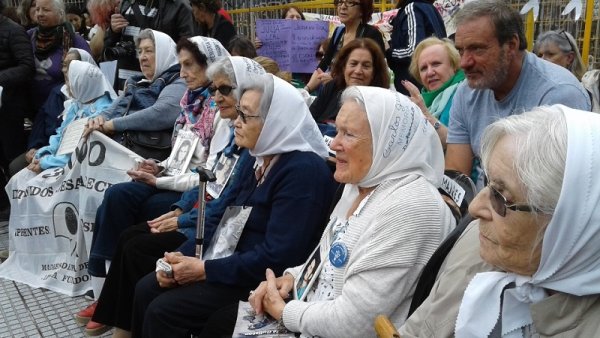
x=77, y=19
x=242, y=46
x=212, y=24
x=360, y=63
x=415, y=21
x=51, y=39
x=292, y=13
x=354, y=15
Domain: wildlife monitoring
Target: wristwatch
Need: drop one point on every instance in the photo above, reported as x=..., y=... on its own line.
x=437, y=125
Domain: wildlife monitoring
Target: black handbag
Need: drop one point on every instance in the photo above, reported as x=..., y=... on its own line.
x=149, y=144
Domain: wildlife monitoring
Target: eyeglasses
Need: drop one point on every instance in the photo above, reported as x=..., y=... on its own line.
x=500, y=204
x=319, y=55
x=348, y=4
x=224, y=90
x=244, y=116
x=564, y=34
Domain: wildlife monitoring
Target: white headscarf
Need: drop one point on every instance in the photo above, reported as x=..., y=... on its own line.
x=211, y=48
x=87, y=82
x=84, y=55
x=570, y=261
x=244, y=70
x=404, y=143
x=288, y=125
x=165, y=53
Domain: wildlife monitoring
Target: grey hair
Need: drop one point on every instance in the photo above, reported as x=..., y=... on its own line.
x=567, y=44
x=540, y=136
x=145, y=34
x=353, y=94
x=506, y=20
x=59, y=6
x=223, y=67
x=265, y=85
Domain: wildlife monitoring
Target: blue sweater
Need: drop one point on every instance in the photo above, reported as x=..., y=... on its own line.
x=289, y=212
x=215, y=208
x=47, y=155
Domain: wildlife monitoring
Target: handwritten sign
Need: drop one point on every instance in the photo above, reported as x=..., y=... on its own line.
x=292, y=43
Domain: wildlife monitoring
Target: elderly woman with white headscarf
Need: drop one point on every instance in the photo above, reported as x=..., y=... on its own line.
x=150, y=103
x=144, y=203
x=279, y=211
x=388, y=222
x=90, y=93
x=529, y=266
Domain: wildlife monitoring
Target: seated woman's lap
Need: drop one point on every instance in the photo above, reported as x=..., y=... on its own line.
x=175, y=312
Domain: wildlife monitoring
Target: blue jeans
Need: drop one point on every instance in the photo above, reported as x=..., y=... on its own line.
x=124, y=204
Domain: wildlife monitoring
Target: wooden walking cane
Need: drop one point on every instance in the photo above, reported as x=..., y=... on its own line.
x=205, y=176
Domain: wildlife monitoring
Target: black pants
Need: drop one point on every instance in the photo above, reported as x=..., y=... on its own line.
x=159, y=312
x=221, y=324
x=136, y=255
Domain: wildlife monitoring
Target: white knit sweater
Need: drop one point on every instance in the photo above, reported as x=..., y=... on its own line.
x=389, y=242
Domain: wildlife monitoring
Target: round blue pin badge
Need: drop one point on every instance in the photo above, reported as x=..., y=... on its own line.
x=338, y=254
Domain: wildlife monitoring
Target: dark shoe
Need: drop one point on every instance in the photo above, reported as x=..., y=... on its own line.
x=84, y=316
x=95, y=329
x=89, y=295
x=5, y=214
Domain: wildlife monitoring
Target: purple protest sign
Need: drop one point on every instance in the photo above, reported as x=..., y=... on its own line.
x=292, y=43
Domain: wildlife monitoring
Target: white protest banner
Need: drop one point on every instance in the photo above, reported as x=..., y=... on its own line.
x=292, y=43
x=53, y=213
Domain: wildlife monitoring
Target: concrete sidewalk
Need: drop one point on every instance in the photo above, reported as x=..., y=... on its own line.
x=30, y=312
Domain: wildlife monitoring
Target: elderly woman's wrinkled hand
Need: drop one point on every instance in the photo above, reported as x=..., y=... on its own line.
x=35, y=166
x=284, y=285
x=415, y=97
x=142, y=176
x=164, y=281
x=150, y=167
x=100, y=124
x=30, y=155
x=273, y=303
x=166, y=222
x=186, y=269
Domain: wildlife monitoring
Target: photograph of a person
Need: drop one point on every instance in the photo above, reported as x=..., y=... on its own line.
x=223, y=170
x=304, y=282
x=181, y=155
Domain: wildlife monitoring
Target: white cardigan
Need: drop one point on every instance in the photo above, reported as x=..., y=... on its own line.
x=389, y=243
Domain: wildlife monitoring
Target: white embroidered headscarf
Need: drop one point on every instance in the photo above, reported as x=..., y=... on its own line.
x=87, y=82
x=211, y=48
x=165, y=53
x=570, y=259
x=243, y=70
x=288, y=124
x=84, y=55
x=404, y=143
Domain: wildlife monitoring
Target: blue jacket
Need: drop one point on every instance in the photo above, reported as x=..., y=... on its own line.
x=47, y=155
x=415, y=21
x=215, y=208
x=289, y=211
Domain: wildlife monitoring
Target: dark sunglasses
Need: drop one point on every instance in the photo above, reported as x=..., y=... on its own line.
x=224, y=90
x=500, y=204
x=244, y=116
x=564, y=35
x=348, y=4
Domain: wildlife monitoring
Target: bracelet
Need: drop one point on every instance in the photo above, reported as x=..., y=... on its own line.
x=307, y=88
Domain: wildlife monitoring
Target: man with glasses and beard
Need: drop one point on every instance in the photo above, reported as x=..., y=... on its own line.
x=502, y=79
